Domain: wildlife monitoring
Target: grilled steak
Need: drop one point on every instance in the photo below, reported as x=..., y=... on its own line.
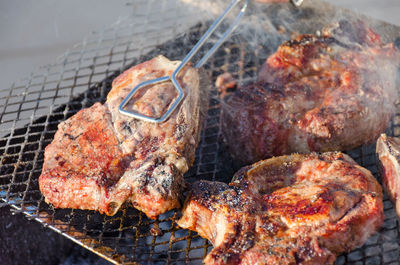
x=297, y=209
x=100, y=159
x=388, y=150
x=316, y=93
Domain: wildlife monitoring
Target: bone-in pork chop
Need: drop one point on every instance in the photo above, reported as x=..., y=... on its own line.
x=331, y=92
x=297, y=209
x=100, y=159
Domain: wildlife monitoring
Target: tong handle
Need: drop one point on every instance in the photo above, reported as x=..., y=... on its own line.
x=188, y=57
x=212, y=28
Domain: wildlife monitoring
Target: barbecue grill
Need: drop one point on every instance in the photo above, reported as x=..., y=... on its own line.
x=32, y=109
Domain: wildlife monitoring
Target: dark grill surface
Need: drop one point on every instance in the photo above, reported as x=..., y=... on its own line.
x=32, y=109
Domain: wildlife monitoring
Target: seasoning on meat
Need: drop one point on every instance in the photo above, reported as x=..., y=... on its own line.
x=388, y=150
x=100, y=159
x=316, y=93
x=297, y=209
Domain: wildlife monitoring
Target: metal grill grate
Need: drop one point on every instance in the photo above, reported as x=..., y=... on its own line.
x=33, y=108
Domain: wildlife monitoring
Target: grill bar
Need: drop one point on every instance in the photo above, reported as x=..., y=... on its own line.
x=33, y=108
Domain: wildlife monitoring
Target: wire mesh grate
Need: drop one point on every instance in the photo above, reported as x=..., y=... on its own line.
x=32, y=109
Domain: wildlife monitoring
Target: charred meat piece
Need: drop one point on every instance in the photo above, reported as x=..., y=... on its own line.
x=297, y=209
x=100, y=159
x=316, y=93
x=388, y=150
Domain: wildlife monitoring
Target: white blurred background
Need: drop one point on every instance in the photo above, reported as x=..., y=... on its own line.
x=34, y=32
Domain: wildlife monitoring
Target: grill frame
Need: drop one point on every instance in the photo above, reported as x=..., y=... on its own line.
x=82, y=77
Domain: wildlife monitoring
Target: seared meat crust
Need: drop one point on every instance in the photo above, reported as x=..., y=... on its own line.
x=388, y=150
x=328, y=93
x=297, y=209
x=100, y=159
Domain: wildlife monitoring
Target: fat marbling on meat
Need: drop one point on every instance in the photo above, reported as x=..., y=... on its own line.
x=100, y=159
x=297, y=209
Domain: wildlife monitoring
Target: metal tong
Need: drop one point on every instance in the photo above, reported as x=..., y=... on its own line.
x=188, y=57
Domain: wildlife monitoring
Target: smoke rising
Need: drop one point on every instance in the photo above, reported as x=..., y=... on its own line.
x=336, y=99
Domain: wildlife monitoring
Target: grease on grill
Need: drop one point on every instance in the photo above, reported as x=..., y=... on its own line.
x=156, y=231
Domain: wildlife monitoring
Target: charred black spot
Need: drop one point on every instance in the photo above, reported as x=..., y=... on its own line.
x=234, y=199
x=125, y=126
x=298, y=258
x=166, y=183
x=158, y=161
x=146, y=178
x=180, y=130
x=70, y=136
x=305, y=40
x=208, y=193
x=248, y=241
x=161, y=191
